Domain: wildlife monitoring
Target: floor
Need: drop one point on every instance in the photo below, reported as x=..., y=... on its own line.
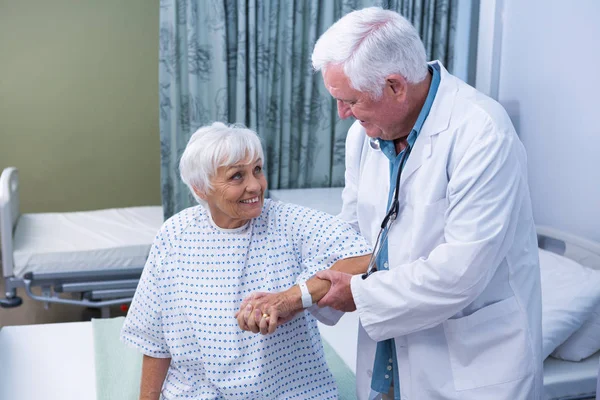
x=34, y=312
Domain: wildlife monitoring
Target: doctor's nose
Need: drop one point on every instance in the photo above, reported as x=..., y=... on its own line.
x=344, y=110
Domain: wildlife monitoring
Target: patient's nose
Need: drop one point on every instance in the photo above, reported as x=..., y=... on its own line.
x=253, y=185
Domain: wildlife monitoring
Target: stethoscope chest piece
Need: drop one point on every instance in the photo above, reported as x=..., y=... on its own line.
x=374, y=144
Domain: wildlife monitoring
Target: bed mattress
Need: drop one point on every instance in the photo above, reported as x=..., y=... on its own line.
x=328, y=200
x=566, y=379
x=48, y=361
x=85, y=241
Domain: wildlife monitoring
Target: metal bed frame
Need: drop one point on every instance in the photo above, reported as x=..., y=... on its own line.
x=97, y=289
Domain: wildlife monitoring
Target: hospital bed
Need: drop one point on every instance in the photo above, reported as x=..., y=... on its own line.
x=92, y=258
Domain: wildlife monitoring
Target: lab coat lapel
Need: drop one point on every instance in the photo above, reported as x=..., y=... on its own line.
x=437, y=121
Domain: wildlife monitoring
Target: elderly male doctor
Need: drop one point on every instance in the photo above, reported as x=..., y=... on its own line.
x=453, y=310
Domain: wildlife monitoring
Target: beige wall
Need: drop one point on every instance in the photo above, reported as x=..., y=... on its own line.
x=79, y=102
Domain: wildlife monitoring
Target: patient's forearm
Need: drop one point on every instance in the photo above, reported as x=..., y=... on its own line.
x=154, y=372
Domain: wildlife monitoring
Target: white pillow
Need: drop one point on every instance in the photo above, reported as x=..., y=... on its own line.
x=583, y=343
x=570, y=294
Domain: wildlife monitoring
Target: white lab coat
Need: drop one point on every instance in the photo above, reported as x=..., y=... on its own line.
x=462, y=297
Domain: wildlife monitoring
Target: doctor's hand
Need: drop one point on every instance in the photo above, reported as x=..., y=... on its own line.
x=339, y=296
x=264, y=312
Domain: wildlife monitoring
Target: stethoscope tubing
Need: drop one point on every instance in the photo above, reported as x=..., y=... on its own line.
x=391, y=214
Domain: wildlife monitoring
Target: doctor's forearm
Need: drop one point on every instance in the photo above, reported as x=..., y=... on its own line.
x=353, y=265
x=154, y=372
x=318, y=288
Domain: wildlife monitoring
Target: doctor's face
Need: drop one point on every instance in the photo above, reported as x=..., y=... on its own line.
x=380, y=118
x=237, y=193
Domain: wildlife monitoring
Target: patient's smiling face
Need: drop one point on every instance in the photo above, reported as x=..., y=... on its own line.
x=237, y=193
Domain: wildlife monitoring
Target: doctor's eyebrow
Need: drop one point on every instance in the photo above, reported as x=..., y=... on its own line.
x=347, y=101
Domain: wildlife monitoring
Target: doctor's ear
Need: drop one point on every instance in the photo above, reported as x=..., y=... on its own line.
x=396, y=84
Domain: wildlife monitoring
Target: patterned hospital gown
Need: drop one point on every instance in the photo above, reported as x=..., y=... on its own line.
x=194, y=281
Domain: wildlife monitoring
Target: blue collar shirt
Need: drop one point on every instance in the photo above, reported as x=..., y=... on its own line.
x=385, y=368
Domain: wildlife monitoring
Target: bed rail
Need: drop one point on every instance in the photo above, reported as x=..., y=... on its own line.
x=99, y=289
x=9, y=214
x=53, y=298
x=82, y=287
x=585, y=252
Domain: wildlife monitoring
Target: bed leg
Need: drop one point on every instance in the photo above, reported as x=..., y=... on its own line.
x=105, y=312
x=11, y=300
x=47, y=293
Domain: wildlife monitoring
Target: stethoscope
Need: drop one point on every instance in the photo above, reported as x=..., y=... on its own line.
x=391, y=214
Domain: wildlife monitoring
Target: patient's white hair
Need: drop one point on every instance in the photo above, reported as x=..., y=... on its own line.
x=372, y=44
x=214, y=146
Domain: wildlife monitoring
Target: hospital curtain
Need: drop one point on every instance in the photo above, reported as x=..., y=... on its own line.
x=248, y=61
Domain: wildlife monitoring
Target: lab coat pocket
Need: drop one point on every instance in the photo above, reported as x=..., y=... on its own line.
x=489, y=347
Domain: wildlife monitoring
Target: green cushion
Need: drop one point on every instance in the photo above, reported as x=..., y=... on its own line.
x=118, y=366
x=344, y=377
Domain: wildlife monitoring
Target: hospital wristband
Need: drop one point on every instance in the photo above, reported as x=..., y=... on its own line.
x=306, y=297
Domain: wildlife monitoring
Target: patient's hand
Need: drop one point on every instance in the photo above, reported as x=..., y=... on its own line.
x=264, y=312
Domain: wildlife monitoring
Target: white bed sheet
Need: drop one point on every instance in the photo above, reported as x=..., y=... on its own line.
x=84, y=241
x=328, y=200
x=51, y=362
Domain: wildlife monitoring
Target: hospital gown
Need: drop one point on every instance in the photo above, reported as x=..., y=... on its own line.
x=194, y=281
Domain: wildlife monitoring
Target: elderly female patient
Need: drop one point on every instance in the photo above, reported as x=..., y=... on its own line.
x=208, y=258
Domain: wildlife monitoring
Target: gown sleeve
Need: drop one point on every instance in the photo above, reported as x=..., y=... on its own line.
x=319, y=240
x=142, y=328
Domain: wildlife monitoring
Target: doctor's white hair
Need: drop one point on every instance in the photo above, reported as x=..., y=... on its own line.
x=372, y=44
x=214, y=146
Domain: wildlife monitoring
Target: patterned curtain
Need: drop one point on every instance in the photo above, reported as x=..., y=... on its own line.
x=248, y=61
